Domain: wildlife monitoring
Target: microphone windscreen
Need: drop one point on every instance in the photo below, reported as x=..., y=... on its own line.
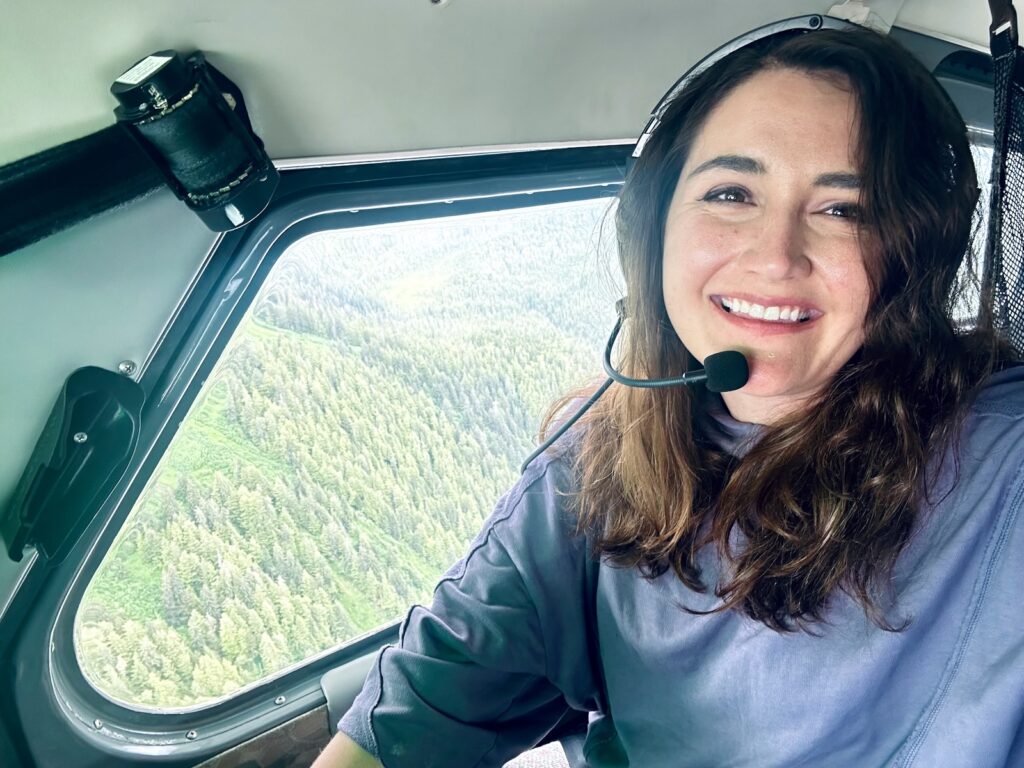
x=726, y=371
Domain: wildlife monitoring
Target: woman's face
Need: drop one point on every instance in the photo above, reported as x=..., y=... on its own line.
x=762, y=253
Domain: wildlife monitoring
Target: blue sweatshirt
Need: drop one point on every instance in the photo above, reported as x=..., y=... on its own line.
x=524, y=627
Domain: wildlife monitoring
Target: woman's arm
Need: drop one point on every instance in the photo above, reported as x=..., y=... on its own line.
x=501, y=654
x=342, y=752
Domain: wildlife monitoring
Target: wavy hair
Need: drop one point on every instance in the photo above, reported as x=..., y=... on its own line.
x=828, y=497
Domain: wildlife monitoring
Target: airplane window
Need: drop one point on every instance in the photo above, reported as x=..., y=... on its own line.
x=376, y=400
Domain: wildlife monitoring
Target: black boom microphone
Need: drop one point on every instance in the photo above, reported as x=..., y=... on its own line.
x=722, y=372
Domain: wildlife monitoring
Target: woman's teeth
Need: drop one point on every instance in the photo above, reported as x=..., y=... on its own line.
x=758, y=312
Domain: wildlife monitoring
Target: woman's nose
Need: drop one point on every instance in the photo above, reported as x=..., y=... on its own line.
x=778, y=249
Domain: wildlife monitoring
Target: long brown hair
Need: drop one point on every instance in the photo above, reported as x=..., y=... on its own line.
x=827, y=498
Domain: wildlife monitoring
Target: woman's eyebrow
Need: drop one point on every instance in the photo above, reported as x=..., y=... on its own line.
x=729, y=163
x=743, y=164
x=840, y=180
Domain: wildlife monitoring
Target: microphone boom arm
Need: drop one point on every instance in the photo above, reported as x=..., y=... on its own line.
x=729, y=371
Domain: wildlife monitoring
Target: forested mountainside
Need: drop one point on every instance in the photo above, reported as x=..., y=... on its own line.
x=365, y=418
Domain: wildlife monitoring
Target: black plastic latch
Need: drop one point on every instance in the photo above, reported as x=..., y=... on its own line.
x=81, y=455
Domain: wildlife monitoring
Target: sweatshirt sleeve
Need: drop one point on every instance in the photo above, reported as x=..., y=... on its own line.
x=501, y=654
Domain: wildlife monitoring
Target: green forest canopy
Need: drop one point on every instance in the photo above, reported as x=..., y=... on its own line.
x=369, y=411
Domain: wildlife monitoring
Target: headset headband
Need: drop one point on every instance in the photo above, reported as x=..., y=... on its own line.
x=808, y=23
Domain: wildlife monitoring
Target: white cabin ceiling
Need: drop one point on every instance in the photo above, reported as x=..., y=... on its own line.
x=335, y=77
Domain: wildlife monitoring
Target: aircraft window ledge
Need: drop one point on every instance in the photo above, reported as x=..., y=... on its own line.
x=329, y=161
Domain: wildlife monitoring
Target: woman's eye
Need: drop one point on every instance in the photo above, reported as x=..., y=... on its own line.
x=850, y=211
x=727, y=195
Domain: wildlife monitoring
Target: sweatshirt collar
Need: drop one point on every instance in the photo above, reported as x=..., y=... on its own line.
x=734, y=437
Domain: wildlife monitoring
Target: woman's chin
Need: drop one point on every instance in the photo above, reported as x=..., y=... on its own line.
x=772, y=380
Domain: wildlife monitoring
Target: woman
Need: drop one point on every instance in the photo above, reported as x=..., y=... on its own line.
x=819, y=568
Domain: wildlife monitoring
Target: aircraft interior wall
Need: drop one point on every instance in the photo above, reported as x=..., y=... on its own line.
x=97, y=294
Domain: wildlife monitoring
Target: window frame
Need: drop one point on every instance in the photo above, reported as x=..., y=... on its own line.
x=308, y=200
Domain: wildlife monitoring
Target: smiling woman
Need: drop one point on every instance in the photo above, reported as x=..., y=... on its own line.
x=687, y=566
x=762, y=253
x=771, y=186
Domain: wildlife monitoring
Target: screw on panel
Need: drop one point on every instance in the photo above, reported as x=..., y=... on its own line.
x=97, y=723
x=191, y=735
x=127, y=367
x=280, y=700
x=80, y=437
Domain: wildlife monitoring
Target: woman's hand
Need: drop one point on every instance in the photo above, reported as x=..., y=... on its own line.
x=342, y=752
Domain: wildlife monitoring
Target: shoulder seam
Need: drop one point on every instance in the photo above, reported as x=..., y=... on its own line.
x=1015, y=410
x=510, y=502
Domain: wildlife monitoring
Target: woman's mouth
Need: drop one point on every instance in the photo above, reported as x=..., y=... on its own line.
x=772, y=313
